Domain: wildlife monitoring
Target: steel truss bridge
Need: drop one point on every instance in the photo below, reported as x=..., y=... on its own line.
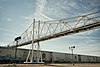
x=45, y=30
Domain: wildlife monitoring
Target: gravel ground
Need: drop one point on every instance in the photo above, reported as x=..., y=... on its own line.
x=49, y=65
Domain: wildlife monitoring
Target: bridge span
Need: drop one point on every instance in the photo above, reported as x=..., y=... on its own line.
x=45, y=30
x=63, y=33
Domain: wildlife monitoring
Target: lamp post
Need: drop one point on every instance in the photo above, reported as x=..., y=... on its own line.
x=71, y=48
x=16, y=39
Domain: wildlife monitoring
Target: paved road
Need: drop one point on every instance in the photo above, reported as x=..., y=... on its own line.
x=49, y=65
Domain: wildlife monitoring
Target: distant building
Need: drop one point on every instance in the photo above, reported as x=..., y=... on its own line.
x=7, y=55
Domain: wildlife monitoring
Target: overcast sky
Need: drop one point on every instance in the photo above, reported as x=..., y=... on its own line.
x=17, y=15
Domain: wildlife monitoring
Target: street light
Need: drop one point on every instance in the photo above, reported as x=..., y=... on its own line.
x=71, y=48
x=16, y=39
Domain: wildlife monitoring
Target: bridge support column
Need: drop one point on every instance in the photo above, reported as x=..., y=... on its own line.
x=39, y=54
x=35, y=58
x=38, y=58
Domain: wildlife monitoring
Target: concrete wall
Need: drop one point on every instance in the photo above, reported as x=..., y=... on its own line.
x=4, y=51
x=59, y=57
x=47, y=56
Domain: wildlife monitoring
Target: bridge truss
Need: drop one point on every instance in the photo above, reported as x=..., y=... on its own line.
x=45, y=30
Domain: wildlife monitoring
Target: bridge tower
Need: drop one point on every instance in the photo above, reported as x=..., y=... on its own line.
x=34, y=57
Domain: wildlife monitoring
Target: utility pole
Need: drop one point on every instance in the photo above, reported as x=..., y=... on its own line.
x=72, y=48
x=16, y=39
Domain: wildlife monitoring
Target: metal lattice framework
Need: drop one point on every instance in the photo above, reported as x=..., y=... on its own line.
x=44, y=30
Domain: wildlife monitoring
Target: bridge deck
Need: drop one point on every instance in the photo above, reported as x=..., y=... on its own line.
x=67, y=32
